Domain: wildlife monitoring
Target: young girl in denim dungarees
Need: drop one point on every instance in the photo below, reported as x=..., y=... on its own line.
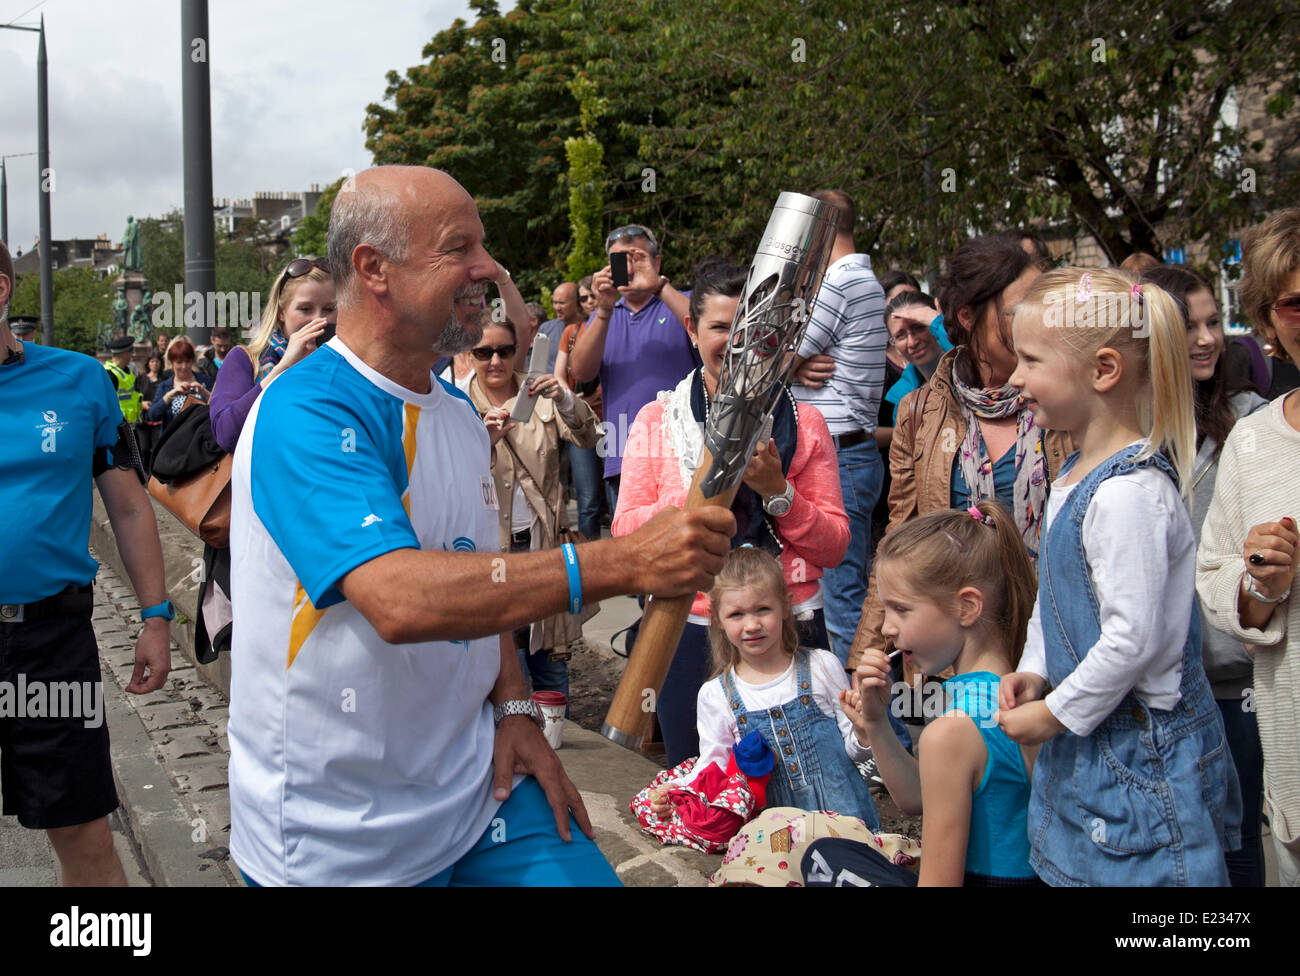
x=763, y=680
x=1133, y=784
x=957, y=588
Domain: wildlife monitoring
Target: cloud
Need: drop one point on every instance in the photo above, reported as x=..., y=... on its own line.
x=289, y=88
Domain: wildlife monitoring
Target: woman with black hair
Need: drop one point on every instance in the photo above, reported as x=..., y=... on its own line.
x=1223, y=396
x=789, y=502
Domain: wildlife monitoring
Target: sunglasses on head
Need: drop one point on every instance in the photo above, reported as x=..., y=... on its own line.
x=484, y=354
x=301, y=266
x=632, y=230
x=1288, y=310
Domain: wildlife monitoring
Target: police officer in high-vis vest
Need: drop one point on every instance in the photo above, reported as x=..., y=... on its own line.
x=119, y=368
x=63, y=432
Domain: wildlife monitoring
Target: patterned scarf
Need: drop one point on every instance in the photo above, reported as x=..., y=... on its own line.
x=977, y=468
x=271, y=355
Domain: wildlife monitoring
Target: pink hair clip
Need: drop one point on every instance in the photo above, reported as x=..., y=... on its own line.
x=1084, y=291
x=978, y=516
x=1136, y=293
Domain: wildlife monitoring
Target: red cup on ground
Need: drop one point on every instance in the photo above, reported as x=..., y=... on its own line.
x=553, y=705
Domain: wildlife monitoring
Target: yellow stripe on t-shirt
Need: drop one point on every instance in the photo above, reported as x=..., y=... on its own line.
x=411, y=421
x=305, y=619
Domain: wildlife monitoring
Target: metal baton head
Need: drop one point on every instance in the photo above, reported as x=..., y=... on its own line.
x=770, y=319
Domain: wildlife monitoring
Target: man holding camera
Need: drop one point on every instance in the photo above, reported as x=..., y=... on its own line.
x=63, y=429
x=635, y=341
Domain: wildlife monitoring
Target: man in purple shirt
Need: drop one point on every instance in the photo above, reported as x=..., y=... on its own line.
x=635, y=341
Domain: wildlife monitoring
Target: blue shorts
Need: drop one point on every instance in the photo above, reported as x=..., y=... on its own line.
x=521, y=848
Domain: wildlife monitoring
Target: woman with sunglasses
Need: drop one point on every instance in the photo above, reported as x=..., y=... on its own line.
x=171, y=395
x=526, y=472
x=298, y=309
x=586, y=297
x=1246, y=565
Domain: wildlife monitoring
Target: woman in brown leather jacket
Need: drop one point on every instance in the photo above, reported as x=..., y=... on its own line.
x=965, y=436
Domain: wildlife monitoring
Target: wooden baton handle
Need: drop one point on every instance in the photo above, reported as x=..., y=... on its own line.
x=661, y=630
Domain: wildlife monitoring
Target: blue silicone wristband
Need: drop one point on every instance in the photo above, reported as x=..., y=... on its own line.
x=575, y=578
x=165, y=610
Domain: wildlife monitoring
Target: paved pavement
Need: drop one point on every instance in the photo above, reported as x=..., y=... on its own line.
x=170, y=756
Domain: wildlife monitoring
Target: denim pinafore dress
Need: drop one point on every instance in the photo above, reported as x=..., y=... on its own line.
x=1151, y=797
x=812, y=770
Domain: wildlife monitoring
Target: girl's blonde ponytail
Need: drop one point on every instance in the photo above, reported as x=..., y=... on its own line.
x=1173, y=407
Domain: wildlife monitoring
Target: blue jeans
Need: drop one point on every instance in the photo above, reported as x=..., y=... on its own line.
x=675, y=709
x=587, y=471
x=611, y=493
x=543, y=673
x=861, y=474
x=1246, y=866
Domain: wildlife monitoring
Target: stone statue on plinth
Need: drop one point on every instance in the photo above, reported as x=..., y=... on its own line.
x=119, y=315
x=140, y=317
x=132, y=251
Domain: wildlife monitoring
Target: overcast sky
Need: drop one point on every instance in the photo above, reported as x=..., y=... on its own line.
x=290, y=85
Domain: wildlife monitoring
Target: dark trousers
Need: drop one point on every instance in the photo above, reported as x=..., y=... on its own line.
x=1246, y=866
x=588, y=487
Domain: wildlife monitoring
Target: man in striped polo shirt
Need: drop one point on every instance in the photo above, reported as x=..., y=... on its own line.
x=841, y=371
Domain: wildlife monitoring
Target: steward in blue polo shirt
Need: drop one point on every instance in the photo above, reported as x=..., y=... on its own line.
x=62, y=428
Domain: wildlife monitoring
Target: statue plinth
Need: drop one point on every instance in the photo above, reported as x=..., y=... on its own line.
x=132, y=288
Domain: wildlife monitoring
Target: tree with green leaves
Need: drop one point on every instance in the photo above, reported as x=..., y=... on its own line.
x=943, y=120
x=82, y=300
x=312, y=233
x=586, y=183
x=492, y=105
x=240, y=265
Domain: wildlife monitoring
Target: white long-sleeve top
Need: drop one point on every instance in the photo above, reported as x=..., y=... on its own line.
x=1141, y=554
x=1259, y=481
x=717, y=724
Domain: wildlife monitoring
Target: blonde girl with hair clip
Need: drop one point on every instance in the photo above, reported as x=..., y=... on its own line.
x=957, y=588
x=298, y=311
x=1134, y=784
x=764, y=681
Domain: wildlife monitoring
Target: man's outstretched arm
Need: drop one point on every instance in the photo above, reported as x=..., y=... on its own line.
x=412, y=595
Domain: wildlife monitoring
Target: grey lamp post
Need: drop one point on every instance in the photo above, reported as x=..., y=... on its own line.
x=45, y=182
x=196, y=114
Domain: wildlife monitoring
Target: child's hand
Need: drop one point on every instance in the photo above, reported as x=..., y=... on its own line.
x=851, y=705
x=1030, y=724
x=1018, y=688
x=866, y=702
x=660, y=805
x=874, y=680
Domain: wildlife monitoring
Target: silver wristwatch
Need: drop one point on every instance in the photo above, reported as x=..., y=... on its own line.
x=518, y=707
x=1251, y=591
x=778, y=505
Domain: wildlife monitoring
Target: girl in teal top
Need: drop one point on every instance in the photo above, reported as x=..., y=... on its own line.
x=958, y=590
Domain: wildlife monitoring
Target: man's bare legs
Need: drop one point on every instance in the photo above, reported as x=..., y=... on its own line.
x=87, y=856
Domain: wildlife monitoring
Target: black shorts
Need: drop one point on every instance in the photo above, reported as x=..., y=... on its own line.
x=54, y=771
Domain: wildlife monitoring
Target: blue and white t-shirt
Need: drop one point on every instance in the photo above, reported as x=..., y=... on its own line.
x=57, y=407
x=353, y=761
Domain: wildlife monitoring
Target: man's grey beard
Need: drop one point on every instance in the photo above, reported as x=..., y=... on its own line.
x=455, y=337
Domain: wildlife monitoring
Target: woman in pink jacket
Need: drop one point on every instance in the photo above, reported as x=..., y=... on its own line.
x=789, y=502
